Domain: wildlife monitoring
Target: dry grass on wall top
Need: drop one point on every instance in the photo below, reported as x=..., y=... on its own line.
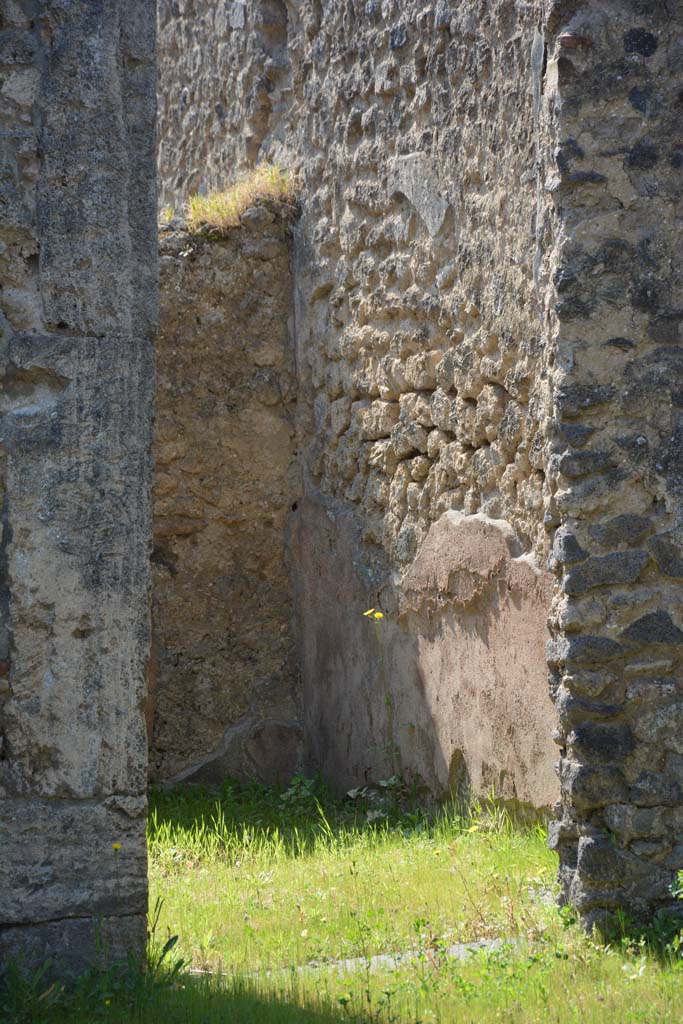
x=219, y=211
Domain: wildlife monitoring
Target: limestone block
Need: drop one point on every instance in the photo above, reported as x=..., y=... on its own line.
x=408, y=438
x=77, y=314
x=375, y=419
x=416, y=177
x=88, y=858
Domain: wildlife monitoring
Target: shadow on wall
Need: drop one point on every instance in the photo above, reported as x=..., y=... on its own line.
x=223, y=680
x=449, y=689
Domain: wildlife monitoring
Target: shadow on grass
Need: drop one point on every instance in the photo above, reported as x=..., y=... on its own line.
x=207, y=1001
x=122, y=997
x=249, y=813
x=298, y=814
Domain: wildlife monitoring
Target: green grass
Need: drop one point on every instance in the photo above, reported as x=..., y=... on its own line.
x=279, y=887
x=257, y=884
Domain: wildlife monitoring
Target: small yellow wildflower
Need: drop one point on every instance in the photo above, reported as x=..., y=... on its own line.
x=107, y=1002
x=116, y=847
x=372, y=613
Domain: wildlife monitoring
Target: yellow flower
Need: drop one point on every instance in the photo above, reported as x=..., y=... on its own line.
x=372, y=613
x=116, y=847
x=107, y=1002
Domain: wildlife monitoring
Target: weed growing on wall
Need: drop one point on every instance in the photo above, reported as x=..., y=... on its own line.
x=166, y=214
x=219, y=211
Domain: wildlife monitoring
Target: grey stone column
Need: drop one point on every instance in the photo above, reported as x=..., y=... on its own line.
x=77, y=314
x=613, y=117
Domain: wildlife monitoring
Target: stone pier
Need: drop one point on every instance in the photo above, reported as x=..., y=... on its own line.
x=77, y=315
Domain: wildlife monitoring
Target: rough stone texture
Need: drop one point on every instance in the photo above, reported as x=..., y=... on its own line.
x=488, y=266
x=77, y=312
x=419, y=359
x=612, y=158
x=224, y=76
x=419, y=328
x=225, y=698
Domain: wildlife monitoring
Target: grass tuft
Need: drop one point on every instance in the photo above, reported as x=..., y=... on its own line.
x=166, y=215
x=220, y=211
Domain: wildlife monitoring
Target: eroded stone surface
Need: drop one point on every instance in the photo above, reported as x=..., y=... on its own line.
x=609, y=134
x=77, y=310
x=224, y=699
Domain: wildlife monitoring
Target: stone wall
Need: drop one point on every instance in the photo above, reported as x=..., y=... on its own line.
x=225, y=698
x=77, y=309
x=613, y=158
x=486, y=321
x=224, y=74
x=422, y=400
x=419, y=362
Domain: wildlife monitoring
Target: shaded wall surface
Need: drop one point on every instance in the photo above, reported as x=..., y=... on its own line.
x=224, y=699
x=448, y=689
x=487, y=329
x=77, y=310
x=418, y=354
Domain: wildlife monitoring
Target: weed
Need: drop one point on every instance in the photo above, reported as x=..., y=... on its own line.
x=166, y=214
x=219, y=211
x=392, y=749
x=35, y=996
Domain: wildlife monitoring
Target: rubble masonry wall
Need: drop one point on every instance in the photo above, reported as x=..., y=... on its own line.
x=421, y=393
x=224, y=693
